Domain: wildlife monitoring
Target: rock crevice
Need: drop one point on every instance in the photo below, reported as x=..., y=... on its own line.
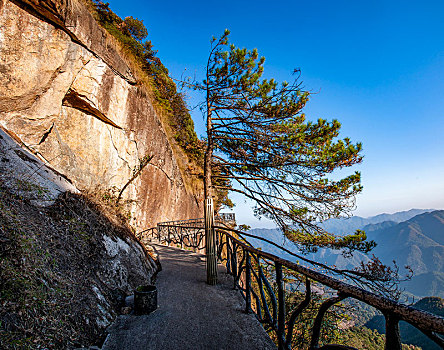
x=80, y=102
x=45, y=135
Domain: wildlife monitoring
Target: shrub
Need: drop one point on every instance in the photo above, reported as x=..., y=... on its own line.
x=135, y=28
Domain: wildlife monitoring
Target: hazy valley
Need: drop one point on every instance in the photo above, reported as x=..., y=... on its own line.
x=414, y=238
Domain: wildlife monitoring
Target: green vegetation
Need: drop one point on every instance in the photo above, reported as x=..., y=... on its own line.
x=364, y=338
x=360, y=312
x=131, y=34
x=294, y=285
x=258, y=138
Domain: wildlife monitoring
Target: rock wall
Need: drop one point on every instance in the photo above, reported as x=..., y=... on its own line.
x=66, y=268
x=70, y=98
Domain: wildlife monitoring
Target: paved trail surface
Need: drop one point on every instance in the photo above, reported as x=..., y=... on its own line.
x=191, y=314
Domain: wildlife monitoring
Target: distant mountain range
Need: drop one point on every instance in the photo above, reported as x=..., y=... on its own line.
x=414, y=238
x=419, y=243
x=351, y=224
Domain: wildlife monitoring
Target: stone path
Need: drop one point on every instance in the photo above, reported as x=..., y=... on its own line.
x=190, y=314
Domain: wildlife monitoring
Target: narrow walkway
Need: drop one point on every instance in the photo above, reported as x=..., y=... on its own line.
x=191, y=314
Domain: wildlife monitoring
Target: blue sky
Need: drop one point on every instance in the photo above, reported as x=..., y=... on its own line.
x=376, y=66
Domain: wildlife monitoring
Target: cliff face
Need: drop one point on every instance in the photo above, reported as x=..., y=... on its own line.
x=65, y=269
x=73, y=116
x=69, y=96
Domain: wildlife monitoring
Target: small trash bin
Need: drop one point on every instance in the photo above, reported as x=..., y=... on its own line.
x=145, y=299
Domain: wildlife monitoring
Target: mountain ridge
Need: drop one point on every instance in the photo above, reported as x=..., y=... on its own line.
x=417, y=242
x=349, y=225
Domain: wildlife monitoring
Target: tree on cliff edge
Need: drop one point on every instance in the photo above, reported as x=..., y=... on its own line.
x=259, y=140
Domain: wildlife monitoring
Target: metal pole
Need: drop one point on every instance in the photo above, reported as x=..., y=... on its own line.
x=181, y=237
x=392, y=337
x=169, y=236
x=210, y=243
x=234, y=265
x=247, y=282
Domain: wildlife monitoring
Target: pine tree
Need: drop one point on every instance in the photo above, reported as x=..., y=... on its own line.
x=260, y=142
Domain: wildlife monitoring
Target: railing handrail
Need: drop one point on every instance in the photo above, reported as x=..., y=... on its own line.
x=227, y=216
x=174, y=222
x=199, y=220
x=427, y=322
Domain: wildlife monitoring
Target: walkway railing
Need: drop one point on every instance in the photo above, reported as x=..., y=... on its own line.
x=266, y=280
x=184, y=233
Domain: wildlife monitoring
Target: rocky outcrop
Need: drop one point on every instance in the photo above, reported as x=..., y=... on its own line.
x=27, y=176
x=65, y=269
x=70, y=98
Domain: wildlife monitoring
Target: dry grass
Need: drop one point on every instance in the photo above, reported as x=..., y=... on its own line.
x=49, y=259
